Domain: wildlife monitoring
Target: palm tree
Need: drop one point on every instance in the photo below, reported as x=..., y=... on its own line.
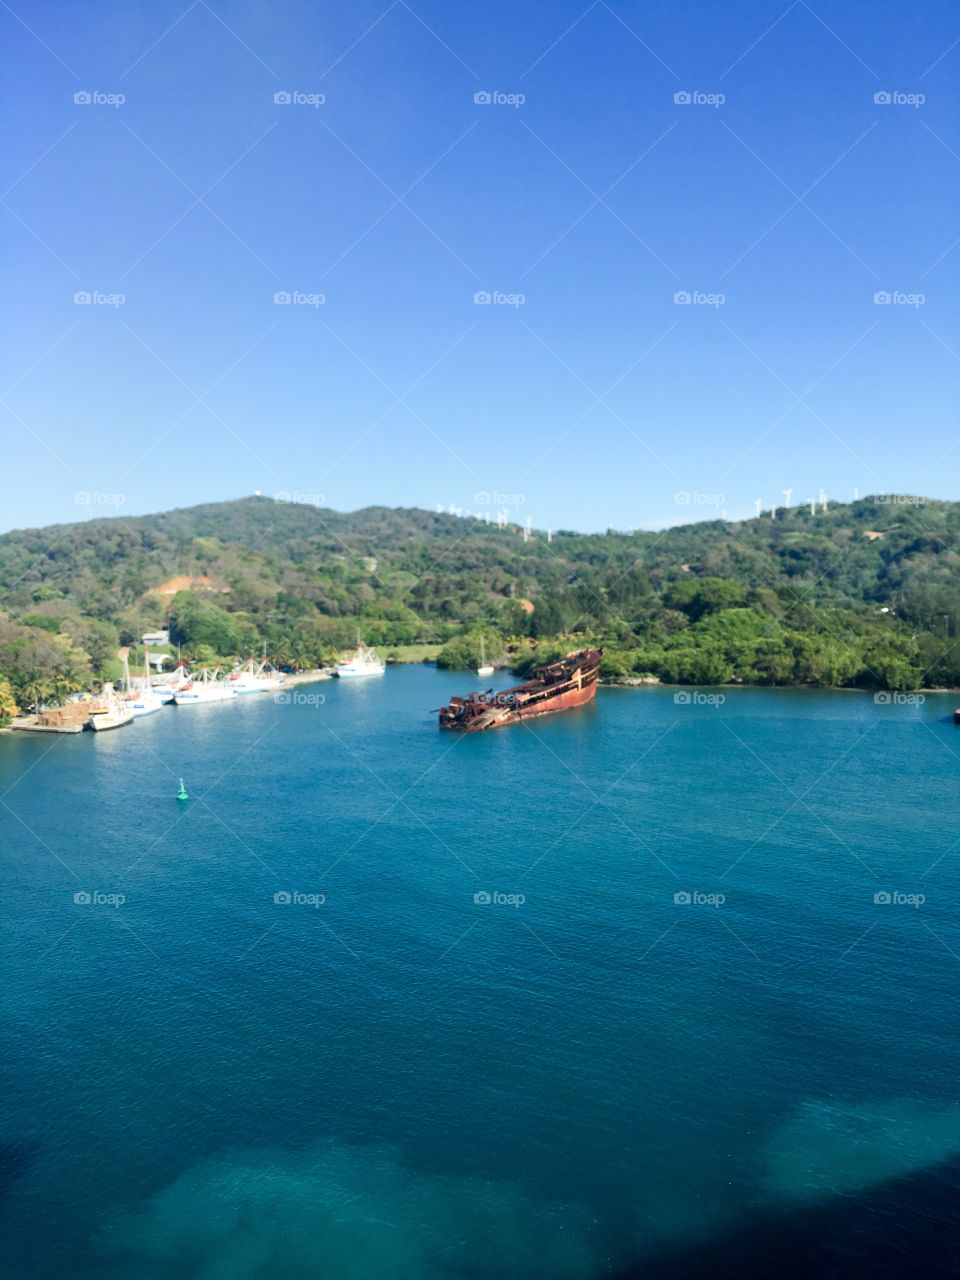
x=38, y=690
x=8, y=701
x=63, y=686
x=282, y=654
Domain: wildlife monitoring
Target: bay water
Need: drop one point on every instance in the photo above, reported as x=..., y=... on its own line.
x=646, y=988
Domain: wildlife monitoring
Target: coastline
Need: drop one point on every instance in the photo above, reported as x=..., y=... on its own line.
x=307, y=677
x=316, y=674
x=654, y=682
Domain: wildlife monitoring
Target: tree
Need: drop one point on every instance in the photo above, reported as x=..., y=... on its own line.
x=8, y=703
x=822, y=660
x=37, y=691
x=773, y=662
x=615, y=664
x=463, y=652
x=704, y=666
x=547, y=618
x=890, y=671
x=697, y=597
x=101, y=640
x=195, y=620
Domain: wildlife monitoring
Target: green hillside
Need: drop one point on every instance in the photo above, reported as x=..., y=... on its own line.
x=802, y=598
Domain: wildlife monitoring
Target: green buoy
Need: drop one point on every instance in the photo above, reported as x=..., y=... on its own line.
x=182, y=793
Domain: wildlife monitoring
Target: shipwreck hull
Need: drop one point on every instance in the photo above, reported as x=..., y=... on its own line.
x=559, y=686
x=563, y=702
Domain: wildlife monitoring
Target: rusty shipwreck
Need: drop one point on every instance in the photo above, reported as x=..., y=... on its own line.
x=558, y=686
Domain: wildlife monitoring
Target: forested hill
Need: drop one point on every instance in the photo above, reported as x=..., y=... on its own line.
x=859, y=593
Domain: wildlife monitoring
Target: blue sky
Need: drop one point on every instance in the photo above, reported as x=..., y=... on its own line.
x=584, y=197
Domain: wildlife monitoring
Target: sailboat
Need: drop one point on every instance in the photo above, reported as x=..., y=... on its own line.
x=163, y=691
x=256, y=679
x=109, y=712
x=141, y=701
x=484, y=669
x=204, y=689
x=172, y=684
x=363, y=663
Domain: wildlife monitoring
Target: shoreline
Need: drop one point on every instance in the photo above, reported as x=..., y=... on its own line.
x=641, y=682
x=307, y=677
x=317, y=674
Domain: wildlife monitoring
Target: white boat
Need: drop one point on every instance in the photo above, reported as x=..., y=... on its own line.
x=143, y=702
x=245, y=683
x=109, y=712
x=139, y=698
x=270, y=677
x=204, y=689
x=484, y=669
x=167, y=687
x=363, y=663
x=251, y=679
x=102, y=718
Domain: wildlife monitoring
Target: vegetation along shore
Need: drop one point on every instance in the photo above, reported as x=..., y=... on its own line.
x=861, y=595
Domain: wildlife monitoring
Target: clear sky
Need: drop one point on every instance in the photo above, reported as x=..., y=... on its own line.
x=780, y=196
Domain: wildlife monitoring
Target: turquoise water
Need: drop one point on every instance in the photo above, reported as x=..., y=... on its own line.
x=580, y=1077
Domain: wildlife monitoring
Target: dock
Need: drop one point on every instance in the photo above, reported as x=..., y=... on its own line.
x=69, y=718
x=31, y=724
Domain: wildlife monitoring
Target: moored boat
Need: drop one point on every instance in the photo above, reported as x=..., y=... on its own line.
x=256, y=679
x=204, y=689
x=485, y=668
x=139, y=698
x=363, y=663
x=557, y=686
x=162, y=689
x=168, y=686
x=143, y=702
x=109, y=712
x=109, y=718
